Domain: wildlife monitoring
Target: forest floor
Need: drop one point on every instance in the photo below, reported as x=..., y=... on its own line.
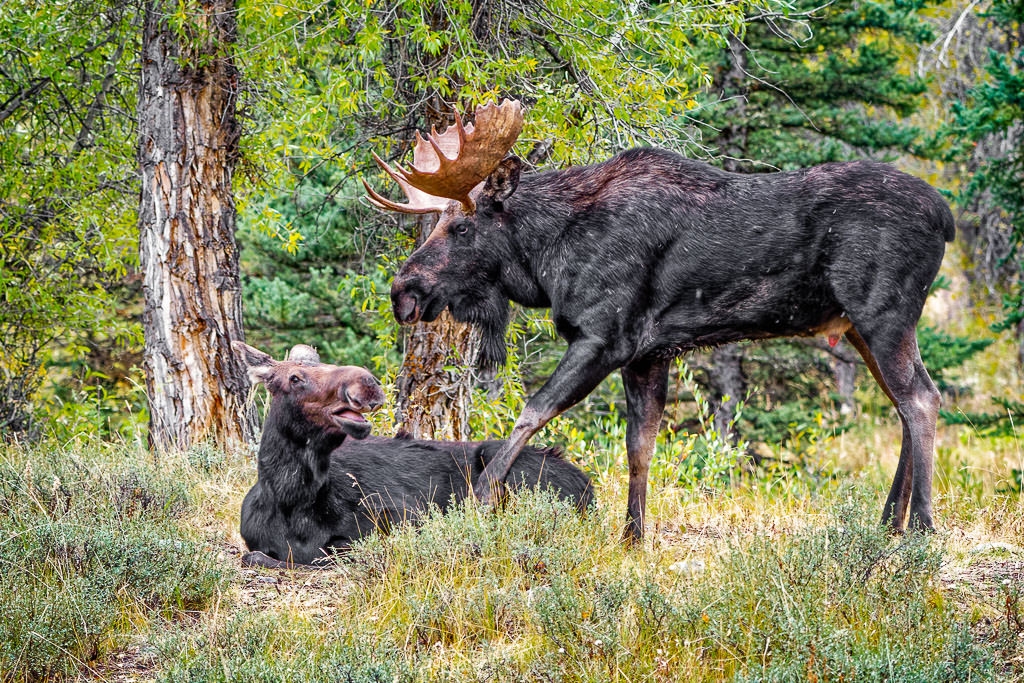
x=121, y=567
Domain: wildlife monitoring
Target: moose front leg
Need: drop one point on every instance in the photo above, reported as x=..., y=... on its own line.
x=646, y=384
x=585, y=363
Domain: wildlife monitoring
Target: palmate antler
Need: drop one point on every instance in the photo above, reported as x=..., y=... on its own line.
x=448, y=166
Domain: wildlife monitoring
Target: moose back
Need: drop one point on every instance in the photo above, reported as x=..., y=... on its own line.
x=649, y=254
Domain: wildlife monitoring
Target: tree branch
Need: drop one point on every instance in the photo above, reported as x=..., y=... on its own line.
x=12, y=104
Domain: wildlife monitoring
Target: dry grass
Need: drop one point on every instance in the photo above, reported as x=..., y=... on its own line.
x=442, y=604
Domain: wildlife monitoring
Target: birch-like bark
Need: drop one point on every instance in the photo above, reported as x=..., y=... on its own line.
x=188, y=147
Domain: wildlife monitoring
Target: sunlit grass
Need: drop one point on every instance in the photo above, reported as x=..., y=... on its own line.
x=738, y=583
x=733, y=581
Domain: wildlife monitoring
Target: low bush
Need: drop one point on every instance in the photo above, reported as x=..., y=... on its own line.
x=535, y=593
x=90, y=538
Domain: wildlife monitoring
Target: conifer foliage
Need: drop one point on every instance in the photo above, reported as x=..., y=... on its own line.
x=819, y=83
x=994, y=110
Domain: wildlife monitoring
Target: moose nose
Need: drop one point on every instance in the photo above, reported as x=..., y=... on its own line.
x=406, y=295
x=364, y=396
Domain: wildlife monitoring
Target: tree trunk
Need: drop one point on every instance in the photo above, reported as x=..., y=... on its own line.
x=728, y=386
x=188, y=146
x=436, y=381
x=845, y=373
x=732, y=140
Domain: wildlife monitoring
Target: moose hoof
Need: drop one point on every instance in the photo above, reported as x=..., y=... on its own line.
x=633, y=534
x=921, y=523
x=260, y=559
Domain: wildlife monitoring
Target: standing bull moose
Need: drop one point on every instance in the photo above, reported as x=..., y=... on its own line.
x=649, y=254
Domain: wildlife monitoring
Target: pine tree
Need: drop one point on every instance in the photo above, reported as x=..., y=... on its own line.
x=990, y=129
x=305, y=266
x=821, y=83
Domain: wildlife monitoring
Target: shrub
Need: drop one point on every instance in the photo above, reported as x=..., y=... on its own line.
x=88, y=544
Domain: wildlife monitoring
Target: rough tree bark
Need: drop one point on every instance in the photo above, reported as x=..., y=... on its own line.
x=435, y=383
x=728, y=387
x=188, y=147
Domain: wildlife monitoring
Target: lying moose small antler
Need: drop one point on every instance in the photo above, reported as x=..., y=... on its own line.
x=448, y=166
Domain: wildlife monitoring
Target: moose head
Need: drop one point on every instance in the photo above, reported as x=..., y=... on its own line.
x=322, y=398
x=465, y=176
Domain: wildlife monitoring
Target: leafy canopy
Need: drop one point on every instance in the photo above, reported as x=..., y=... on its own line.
x=67, y=190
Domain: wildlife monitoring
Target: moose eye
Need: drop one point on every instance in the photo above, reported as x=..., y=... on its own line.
x=295, y=379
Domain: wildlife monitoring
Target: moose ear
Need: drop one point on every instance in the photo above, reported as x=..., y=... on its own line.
x=260, y=365
x=504, y=179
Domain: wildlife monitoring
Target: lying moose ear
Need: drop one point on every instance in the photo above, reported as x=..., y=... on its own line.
x=504, y=179
x=260, y=365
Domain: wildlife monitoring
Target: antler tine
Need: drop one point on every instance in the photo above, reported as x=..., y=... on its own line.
x=396, y=175
x=442, y=158
x=419, y=202
x=383, y=203
x=477, y=151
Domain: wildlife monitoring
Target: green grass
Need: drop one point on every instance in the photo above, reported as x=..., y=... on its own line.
x=778, y=574
x=779, y=577
x=536, y=593
x=93, y=545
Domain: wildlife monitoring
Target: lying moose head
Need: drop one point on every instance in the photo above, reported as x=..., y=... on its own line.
x=648, y=255
x=325, y=401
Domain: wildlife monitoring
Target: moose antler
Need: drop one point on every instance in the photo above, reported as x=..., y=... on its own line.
x=448, y=166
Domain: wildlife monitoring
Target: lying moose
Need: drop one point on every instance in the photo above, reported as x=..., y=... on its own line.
x=648, y=255
x=319, y=491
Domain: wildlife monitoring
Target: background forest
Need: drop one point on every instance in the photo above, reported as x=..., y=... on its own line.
x=118, y=536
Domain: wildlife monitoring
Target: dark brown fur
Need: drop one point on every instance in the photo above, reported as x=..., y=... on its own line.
x=319, y=491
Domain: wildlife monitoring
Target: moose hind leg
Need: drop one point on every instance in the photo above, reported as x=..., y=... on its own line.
x=646, y=384
x=896, y=365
